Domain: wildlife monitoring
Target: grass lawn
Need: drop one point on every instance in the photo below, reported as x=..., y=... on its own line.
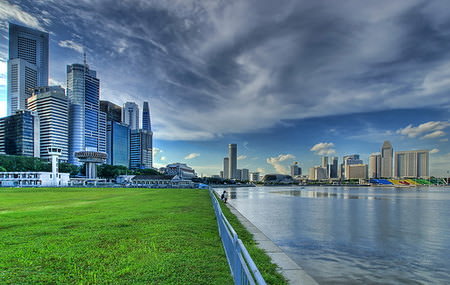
x=86, y=236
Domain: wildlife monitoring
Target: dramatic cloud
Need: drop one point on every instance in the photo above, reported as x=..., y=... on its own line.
x=434, y=150
x=192, y=155
x=323, y=148
x=72, y=45
x=426, y=130
x=241, y=157
x=244, y=66
x=276, y=162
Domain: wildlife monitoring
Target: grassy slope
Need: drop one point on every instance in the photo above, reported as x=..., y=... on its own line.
x=110, y=236
x=262, y=260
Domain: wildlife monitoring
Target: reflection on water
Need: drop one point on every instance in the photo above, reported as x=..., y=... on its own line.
x=356, y=235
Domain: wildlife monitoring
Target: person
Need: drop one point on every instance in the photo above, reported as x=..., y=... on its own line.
x=225, y=196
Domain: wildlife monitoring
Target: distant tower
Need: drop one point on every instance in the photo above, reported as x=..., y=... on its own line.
x=130, y=115
x=146, y=123
x=232, y=155
x=27, y=65
x=54, y=153
x=325, y=165
x=226, y=168
x=295, y=169
x=387, y=155
x=334, y=166
x=375, y=166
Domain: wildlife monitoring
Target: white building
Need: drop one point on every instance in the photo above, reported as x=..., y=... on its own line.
x=33, y=179
x=179, y=169
x=254, y=176
x=414, y=163
x=245, y=175
x=130, y=115
x=160, y=181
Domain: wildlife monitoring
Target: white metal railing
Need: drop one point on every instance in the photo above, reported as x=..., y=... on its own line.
x=242, y=267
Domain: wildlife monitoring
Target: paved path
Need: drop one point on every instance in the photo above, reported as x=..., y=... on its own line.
x=293, y=273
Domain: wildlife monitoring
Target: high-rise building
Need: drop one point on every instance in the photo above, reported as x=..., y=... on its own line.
x=83, y=91
x=375, y=166
x=295, y=169
x=245, y=174
x=27, y=65
x=333, y=167
x=254, y=176
x=118, y=144
x=387, y=155
x=324, y=164
x=318, y=173
x=355, y=171
x=226, y=168
x=130, y=115
x=20, y=134
x=221, y=174
x=239, y=174
x=52, y=107
x=232, y=155
x=349, y=160
x=414, y=163
x=113, y=111
x=146, y=123
x=141, y=149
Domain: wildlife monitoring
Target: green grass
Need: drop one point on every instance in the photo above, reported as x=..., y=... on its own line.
x=115, y=236
x=262, y=260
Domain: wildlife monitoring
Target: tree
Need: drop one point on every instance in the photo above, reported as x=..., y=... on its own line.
x=146, y=171
x=111, y=171
x=65, y=167
x=24, y=163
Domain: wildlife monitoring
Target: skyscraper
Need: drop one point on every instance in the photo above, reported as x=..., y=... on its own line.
x=414, y=163
x=387, y=155
x=232, y=155
x=52, y=106
x=375, y=166
x=334, y=166
x=349, y=160
x=141, y=149
x=118, y=144
x=245, y=174
x=146, y=122
x=83, y=91
x=325, y=165
x=226, y=168
x=295, y=169
x=130, y=115
x=113, y=111
x=27, y=65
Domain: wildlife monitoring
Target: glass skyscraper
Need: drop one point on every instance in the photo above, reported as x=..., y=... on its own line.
x=27, y=65
x=118, y=144
x=83, y=91
x=146, y=123
x=130, y=115
x=141, y=152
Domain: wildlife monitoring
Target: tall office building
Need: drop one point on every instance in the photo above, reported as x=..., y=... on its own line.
x=387, y=155
x=318, y=173
x=375, y=166
x=414, y=163
x=334, y=167
x=232, y=155
x=245, y=175
x=254, y=176
x=146, y=123
x=52, y=107
x=141, y=149
x=324, y=164
x=349, y=160
x=355, y=171
x=226, y=168
x=113, y=111
x=130, y=115
x=239, y=174
x=118, y=144
x=295, y=169
x=83, y=91
x=20, y=134
x=27, y=65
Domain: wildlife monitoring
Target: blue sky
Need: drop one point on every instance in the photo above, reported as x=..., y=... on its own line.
x=286, y=81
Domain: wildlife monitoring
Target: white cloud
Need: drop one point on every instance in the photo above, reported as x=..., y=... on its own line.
x=163, y=158
x=444, y=140
x=435, y=134
x=241, y=157
x=276, y=162
x=261, y=170
x=72, y=45
x=192, y=155
x=323, y=148
x=10, y=12
x=428, y=129
x=434, y=150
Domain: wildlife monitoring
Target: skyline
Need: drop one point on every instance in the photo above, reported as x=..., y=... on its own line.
x=242, y=86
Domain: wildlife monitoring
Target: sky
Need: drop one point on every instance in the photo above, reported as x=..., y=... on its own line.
x=284, y=80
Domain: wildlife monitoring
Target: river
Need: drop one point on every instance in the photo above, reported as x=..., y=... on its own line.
x=356, y=235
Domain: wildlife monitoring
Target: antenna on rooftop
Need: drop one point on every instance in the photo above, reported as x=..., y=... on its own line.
x=84, y=58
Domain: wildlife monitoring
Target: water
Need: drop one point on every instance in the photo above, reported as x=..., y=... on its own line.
x=356, y=235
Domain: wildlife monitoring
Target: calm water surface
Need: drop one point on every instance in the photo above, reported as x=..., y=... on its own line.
x=356, y=235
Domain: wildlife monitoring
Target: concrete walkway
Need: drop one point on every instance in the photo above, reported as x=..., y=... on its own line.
x=290, y=270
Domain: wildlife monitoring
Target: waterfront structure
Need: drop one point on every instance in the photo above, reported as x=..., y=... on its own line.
x=387, y=154
x=254, y=176
x=375, y=166
x=83, y=91
x=414, y=164
x=295, y=169
x=146, y=123
x=91, y=159
x=333, y=167
x=349, y=160
x=130, y=115
x=52, y=107
x=356, y=171
x=27, y=65
x=20, y=134
x=245, y=175
x=226, y=168
x=118, y=144
x=141, y=144
x=318, y=173
x=180, y=169
x=161, y=181
x=113, y=112
x=232, y=155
